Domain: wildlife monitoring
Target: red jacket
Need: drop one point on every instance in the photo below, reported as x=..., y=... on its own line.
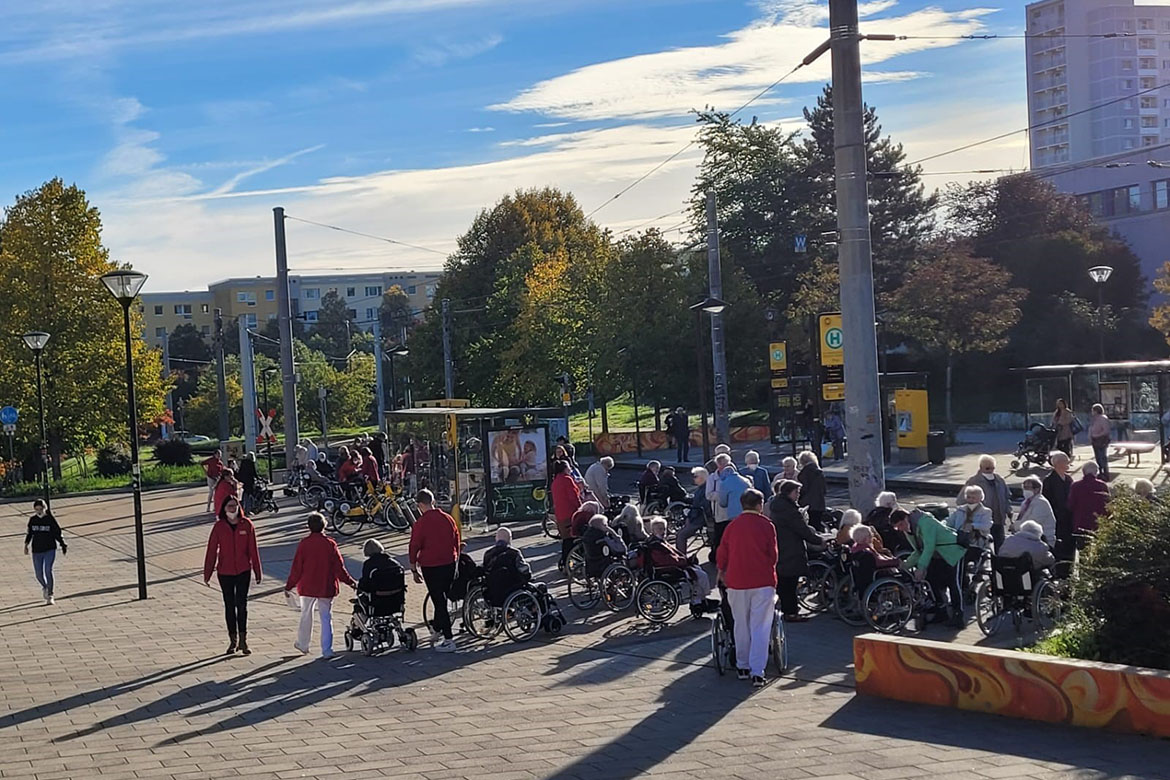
x=346, y=471
x=223, y=491
x=316, y=568
x=232, y=549
x=434, y=540
x=566, y=498
x=662, y=555
x=370, y=470
x=212, y=466
x=1086, y=501
x=748, y=552
x=579, y=522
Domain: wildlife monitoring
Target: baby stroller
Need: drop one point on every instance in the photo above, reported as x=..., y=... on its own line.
x=378, y=613
x=260, y=499
x=1038, y=442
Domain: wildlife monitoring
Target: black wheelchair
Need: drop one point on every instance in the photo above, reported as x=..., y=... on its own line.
x=1017, y=591
x=377, y=622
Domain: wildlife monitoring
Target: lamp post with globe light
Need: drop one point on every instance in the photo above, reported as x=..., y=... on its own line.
x=124, y=285
x=711, y=306
x=36, y=341
x=1100, y=274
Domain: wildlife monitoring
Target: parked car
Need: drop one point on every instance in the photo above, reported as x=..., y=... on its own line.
x=191, y=438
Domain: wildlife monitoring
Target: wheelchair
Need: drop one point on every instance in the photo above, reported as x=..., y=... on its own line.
x=610, y=579
x=377, y=622
x=260, y=498
x=524, y=612
x=723, y=640
x=891, y=602
x=1016, y=591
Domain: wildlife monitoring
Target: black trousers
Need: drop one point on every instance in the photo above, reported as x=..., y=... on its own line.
x=716, y=537
x=235, y=601
x=997, y=535
x=438, y=580
x=566, y=548
x=943, y=579
x=683, y=448
x=786, y=590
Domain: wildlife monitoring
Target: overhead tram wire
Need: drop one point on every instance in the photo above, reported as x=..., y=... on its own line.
x=366, y=235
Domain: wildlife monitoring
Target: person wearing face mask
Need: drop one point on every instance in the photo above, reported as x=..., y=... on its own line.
x=44, y=534
x=995, y=496
x=971, y=522
x=232, y=553
x=1038, y=509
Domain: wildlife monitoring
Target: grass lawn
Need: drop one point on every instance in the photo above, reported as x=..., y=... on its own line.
x=621, y=419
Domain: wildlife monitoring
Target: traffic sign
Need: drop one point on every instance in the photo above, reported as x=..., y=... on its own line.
x=833, y=391
x=266, y=434
x=778, y=356
x=800, y=244
x=832, y=340
x=9, y=415
x=10, y=427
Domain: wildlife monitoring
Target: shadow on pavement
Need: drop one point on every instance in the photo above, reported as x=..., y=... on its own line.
x=1113, y=755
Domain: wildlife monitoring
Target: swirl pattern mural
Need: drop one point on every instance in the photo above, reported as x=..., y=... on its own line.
x=1021, y=685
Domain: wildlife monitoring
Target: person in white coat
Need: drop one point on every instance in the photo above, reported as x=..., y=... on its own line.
x=974, y=519
x=597, y=480
x=1037, y=509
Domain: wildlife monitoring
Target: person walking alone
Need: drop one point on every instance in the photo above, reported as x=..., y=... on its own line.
x=1100, y=434
x=43, y=534
x=211, y=469
x=435, y=543
x=746, y=562
x=1066, y=425
x=678, y=425
x=317, y=568
x=233, y=555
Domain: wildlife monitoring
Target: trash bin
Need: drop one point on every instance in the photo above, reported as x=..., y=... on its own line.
x=936, y=446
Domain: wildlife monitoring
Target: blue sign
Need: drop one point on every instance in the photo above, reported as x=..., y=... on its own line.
x=801, y=243
x=9, y=415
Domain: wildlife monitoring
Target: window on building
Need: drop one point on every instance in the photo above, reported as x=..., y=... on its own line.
x=371, y=314
x=1127, y=64
x=205, y=330
x=312, y=293
x=1129, y=144
x=1162, y=194
x=1147, y=63
x=183, y=309
x=1127, y=104
x=310, y=316
x=1146, y=43
x=1149, y=121
x=1147, y=82
x=1099, y=205
x=1145, y=24
x=1127, y=124
x=205, y=308
x=373, y=291
x=412, y=289
x=272, y=315
x=351, y=313
x=350, y=292
x=430, y=291
x=158, y=311
x=160, y=332
x=246, y=297
x=1149, y=101
x=250, y=319
x=1127, y=83
x=1149, y=140
x=270, y=295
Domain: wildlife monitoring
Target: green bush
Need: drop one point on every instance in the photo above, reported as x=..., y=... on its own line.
x=1120, y=611
x=173, y=452
x=113, y=460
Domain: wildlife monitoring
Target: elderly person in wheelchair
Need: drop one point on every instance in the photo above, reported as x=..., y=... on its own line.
x=380, y=604
x=662, y=561
x=1020, y=584
x=504, y=568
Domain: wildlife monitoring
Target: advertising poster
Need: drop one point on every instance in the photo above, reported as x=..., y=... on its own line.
x=518, y=472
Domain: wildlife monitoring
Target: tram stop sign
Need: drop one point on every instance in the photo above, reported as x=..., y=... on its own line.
x=9, y=415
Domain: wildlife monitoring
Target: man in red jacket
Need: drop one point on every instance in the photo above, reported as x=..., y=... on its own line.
x=746, y=560
x=435, y=543
x=316, y=569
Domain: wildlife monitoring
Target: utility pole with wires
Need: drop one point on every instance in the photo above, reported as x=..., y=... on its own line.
x=288, y=376
x=221, y=380
x=718, y=353
x=855, y=258
x=448, y=364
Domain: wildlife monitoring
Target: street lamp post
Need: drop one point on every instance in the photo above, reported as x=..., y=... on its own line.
x=399, y=351
x=124, y=286
x=711, y=306
x=36, y=341
x=1100, y=274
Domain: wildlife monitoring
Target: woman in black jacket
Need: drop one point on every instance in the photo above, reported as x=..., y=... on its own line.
x=44, y=535
x=792, y=534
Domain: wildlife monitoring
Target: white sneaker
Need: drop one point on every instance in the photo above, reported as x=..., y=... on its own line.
x=446, y=646
x=50, y=601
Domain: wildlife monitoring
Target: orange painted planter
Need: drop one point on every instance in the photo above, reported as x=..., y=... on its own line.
x=1020, y=685
x=621, y=443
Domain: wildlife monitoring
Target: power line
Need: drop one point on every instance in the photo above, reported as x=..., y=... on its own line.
x=366, y=235
x=1029, y=36
x=650, y=221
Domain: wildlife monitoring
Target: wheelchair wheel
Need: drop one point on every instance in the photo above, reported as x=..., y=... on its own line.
x=575, y=565
x=888, y=605
x=549, y=526
x=312, y=497
x=815, y=589
x=369, y=644
x=343, y=523
x=720, y=645
x=410, y=640
x=348, y=641
x=778, y=646
x=617, y=587
x=584, y=594
x=479, y=616
x=522, y=616
x=846, y=603
x=657, y=601
x=988, y=609
x=1047, y=605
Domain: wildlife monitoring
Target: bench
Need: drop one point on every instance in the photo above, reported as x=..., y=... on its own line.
x=1132, y=450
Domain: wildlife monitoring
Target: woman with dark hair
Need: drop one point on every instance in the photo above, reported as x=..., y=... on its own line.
x=227, y=487
x=232, y=554
x=566, y=499
x=1064, y=421
x=43, y=535
x=369, y=467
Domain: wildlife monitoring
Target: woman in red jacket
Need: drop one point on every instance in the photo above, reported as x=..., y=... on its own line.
x=370, y=466
x=566, y=499
x=232, y=552
x=227, y=487
x=316, y=569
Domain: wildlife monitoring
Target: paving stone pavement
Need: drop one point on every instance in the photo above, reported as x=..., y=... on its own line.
x=104, y=686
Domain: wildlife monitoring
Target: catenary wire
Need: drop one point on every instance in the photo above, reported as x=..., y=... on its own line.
x=366, y=235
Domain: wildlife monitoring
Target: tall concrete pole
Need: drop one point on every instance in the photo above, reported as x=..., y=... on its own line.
x=288, y=375
x=855, y=259
x=379, y=381
x=718, y=355
x=221, y=380
x=448, y=364
x=248, y=384
x=167, y=430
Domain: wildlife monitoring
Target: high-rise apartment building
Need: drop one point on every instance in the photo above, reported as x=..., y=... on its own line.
x=254, y=298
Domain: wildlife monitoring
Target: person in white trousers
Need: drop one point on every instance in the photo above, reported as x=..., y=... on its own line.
x=317, y=570
x=746, y=562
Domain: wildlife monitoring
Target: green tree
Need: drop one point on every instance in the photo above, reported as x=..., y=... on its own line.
x=333, y=332
x=190, y=356
x=956, y=305
x=51, y=256
x=201, y=410
x=395, y=313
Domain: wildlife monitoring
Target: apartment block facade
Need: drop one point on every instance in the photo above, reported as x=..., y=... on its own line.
x=254, y=298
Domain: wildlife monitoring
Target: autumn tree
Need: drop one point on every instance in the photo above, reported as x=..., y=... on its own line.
x=51, y=258
x=956, y=305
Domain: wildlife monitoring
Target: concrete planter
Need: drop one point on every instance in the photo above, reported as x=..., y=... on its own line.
x=1020, y=685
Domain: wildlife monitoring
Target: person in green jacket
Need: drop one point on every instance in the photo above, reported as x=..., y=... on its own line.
x=936, y=558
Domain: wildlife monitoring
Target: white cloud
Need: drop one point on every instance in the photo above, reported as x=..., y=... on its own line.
x=728, y=74
x=439, y=53
x=268, y=165
x=481, y=129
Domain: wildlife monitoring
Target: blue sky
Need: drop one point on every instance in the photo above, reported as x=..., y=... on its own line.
x=404, y=117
